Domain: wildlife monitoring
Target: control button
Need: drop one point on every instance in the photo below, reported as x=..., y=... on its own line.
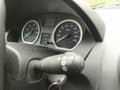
x=59, y=58
x=45, y=38
x=63, y=62
x=65, y=69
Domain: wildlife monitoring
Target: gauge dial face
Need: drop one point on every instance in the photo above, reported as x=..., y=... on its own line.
x=30, y=32
x=67, y=34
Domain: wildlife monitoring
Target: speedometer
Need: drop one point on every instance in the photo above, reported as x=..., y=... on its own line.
x=30, y=32
x=67, y=34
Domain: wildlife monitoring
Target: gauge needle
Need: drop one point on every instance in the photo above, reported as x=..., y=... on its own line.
x=28, y=34
x=65, y=36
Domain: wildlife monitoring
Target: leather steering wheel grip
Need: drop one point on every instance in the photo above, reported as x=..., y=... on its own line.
x=2, y=43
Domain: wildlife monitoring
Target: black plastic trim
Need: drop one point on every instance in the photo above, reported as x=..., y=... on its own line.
x=94, y=23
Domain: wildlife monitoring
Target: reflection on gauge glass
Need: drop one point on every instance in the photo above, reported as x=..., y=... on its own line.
x=67, y=34
x=30, y=32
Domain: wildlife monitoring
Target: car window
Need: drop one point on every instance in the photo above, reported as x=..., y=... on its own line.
x=105, y=4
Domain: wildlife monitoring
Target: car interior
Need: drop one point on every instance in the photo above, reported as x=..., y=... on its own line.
x=59, y=45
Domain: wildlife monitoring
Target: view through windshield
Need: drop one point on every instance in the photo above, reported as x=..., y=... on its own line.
x=102, y=3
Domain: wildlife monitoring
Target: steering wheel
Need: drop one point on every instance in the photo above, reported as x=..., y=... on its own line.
x=2, y=42
x=20, y=54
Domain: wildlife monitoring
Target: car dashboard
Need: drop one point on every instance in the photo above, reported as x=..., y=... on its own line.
x=48, y=29
x=60, y=32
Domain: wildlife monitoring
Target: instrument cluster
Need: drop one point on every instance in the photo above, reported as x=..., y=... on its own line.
x=62, y=33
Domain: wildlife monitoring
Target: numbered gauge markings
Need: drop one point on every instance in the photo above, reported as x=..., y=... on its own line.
x=30, y=32
x=67, y=34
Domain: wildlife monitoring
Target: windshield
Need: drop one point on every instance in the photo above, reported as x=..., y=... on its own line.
x=102, y=3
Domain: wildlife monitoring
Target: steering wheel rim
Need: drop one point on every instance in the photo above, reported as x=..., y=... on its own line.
x=2, y=43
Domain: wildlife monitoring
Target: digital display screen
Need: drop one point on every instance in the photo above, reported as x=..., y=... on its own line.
x=50, y=22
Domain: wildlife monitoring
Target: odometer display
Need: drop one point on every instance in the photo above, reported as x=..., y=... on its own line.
x=30, y=32
x=67, y=34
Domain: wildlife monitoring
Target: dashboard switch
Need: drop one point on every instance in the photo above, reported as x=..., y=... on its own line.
x=67, y=63
x=45, y=38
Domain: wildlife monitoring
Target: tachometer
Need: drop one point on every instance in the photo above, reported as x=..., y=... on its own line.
x=30, y=32
x=67, y=34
